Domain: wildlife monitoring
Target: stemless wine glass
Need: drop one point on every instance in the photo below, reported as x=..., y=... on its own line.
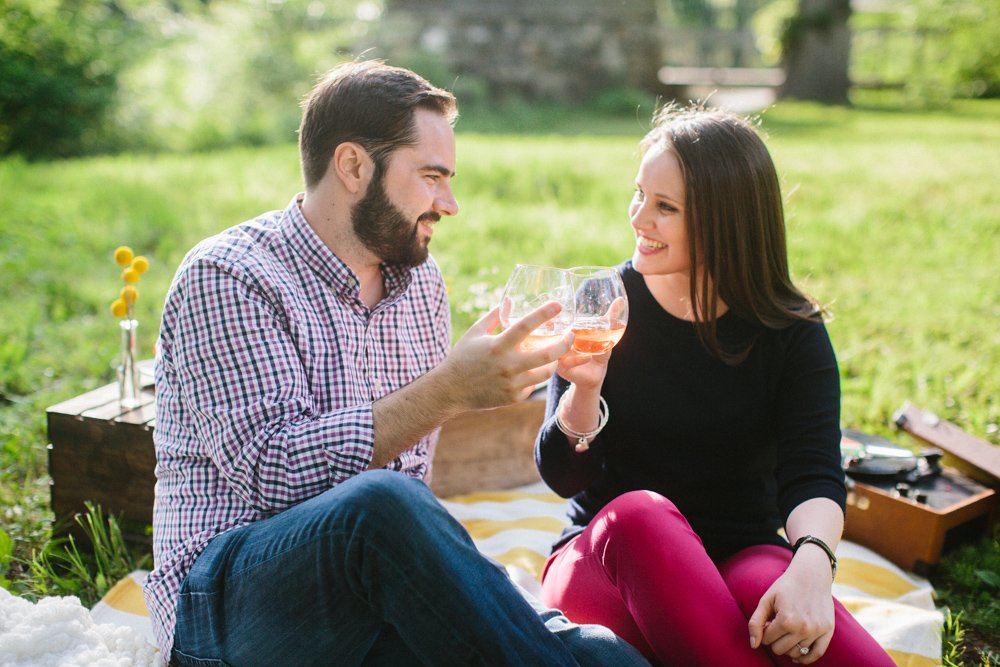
x=528, y=288
x=601, y=308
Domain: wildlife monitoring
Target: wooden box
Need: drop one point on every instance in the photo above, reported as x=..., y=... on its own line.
x=956, y=507
x=103, y=453
x=488, y=449
x=913, y=534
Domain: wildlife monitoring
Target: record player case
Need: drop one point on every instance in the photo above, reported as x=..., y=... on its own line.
x=915, y=529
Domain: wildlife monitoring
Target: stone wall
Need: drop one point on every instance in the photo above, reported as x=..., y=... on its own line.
x=563, y=50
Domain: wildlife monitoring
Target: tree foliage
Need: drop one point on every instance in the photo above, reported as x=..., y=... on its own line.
x=231, y=74
x=59, y=64
x=960, y=49
x=86, y=76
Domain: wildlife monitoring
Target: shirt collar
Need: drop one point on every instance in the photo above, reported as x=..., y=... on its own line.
x=330, y=269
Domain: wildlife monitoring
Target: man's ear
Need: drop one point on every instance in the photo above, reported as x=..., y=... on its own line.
x=353, y=166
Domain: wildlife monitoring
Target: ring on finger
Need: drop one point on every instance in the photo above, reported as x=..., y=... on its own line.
x=803, y=650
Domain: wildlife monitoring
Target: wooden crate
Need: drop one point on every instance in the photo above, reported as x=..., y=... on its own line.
x=488, y=449
x=103, y=453
x=912, y=534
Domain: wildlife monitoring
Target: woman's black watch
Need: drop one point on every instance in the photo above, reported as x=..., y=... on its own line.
x=809, y=539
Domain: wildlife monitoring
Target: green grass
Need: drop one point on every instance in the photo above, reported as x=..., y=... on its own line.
x=61, y=568
x=893, y=216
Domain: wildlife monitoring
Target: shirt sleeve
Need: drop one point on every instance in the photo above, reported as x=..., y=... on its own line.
x=808, y=421
x=248, y=394
x=561, y=467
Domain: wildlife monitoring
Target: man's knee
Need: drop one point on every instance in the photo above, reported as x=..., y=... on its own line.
x=597, y=646
x=380, y=496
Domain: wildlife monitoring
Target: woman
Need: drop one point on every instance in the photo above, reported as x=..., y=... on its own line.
x=720, y=410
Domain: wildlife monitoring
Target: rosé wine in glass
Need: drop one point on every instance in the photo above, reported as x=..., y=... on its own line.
x=601, y=309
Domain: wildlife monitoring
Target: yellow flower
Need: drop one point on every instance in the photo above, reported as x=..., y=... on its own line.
x=123, y=255
x=133, y=266
x=129, y=294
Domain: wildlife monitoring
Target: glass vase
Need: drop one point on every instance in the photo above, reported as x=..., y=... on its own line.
x=129, y=385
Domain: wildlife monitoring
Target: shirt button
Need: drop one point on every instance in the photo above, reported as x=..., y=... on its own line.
x=377, y=385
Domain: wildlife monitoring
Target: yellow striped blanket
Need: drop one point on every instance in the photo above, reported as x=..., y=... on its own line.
x=517, y=527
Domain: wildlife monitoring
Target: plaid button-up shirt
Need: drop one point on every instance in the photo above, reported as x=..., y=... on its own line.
x=267, y=368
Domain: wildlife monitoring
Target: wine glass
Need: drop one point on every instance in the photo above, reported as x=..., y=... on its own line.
x=601, y=308
x=528, y=288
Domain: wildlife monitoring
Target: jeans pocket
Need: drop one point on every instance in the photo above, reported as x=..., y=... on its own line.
x=179, y=659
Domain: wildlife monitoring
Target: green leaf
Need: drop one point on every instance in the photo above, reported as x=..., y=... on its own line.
x=6, y=549
x=989, y=577
x=101, y=583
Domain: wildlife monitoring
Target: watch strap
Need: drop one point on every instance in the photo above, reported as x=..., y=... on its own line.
x=809, y=539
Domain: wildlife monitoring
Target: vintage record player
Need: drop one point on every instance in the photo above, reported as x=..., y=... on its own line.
x=909, y=507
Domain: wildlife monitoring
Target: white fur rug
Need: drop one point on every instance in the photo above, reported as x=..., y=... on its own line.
x=59, y=632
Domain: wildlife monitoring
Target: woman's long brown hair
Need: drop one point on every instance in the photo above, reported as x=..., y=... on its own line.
x=735, y=221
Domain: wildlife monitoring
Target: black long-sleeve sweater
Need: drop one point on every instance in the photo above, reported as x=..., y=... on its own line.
x=736, y=448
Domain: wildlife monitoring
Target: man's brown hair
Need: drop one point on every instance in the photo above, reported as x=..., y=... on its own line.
x=367, y=102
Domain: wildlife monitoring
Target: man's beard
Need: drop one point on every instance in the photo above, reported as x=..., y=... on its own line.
x=384, y=229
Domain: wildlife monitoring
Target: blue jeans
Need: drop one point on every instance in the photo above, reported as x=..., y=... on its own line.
x=372, y=572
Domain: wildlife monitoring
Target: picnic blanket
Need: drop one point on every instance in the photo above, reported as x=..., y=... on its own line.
x=517, y=527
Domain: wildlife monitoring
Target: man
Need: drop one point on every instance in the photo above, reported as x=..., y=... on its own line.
x=300, y=355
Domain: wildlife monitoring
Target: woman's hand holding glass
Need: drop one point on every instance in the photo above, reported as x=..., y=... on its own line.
x=601, y=309
x=599, y=323
x=594, y=307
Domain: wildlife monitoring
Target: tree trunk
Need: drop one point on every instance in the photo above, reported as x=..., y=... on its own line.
x=817, y=48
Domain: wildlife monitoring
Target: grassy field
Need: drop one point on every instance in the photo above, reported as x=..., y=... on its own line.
x=894, y=223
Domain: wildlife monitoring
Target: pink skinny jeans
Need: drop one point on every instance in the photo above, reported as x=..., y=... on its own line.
x=640, y=570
